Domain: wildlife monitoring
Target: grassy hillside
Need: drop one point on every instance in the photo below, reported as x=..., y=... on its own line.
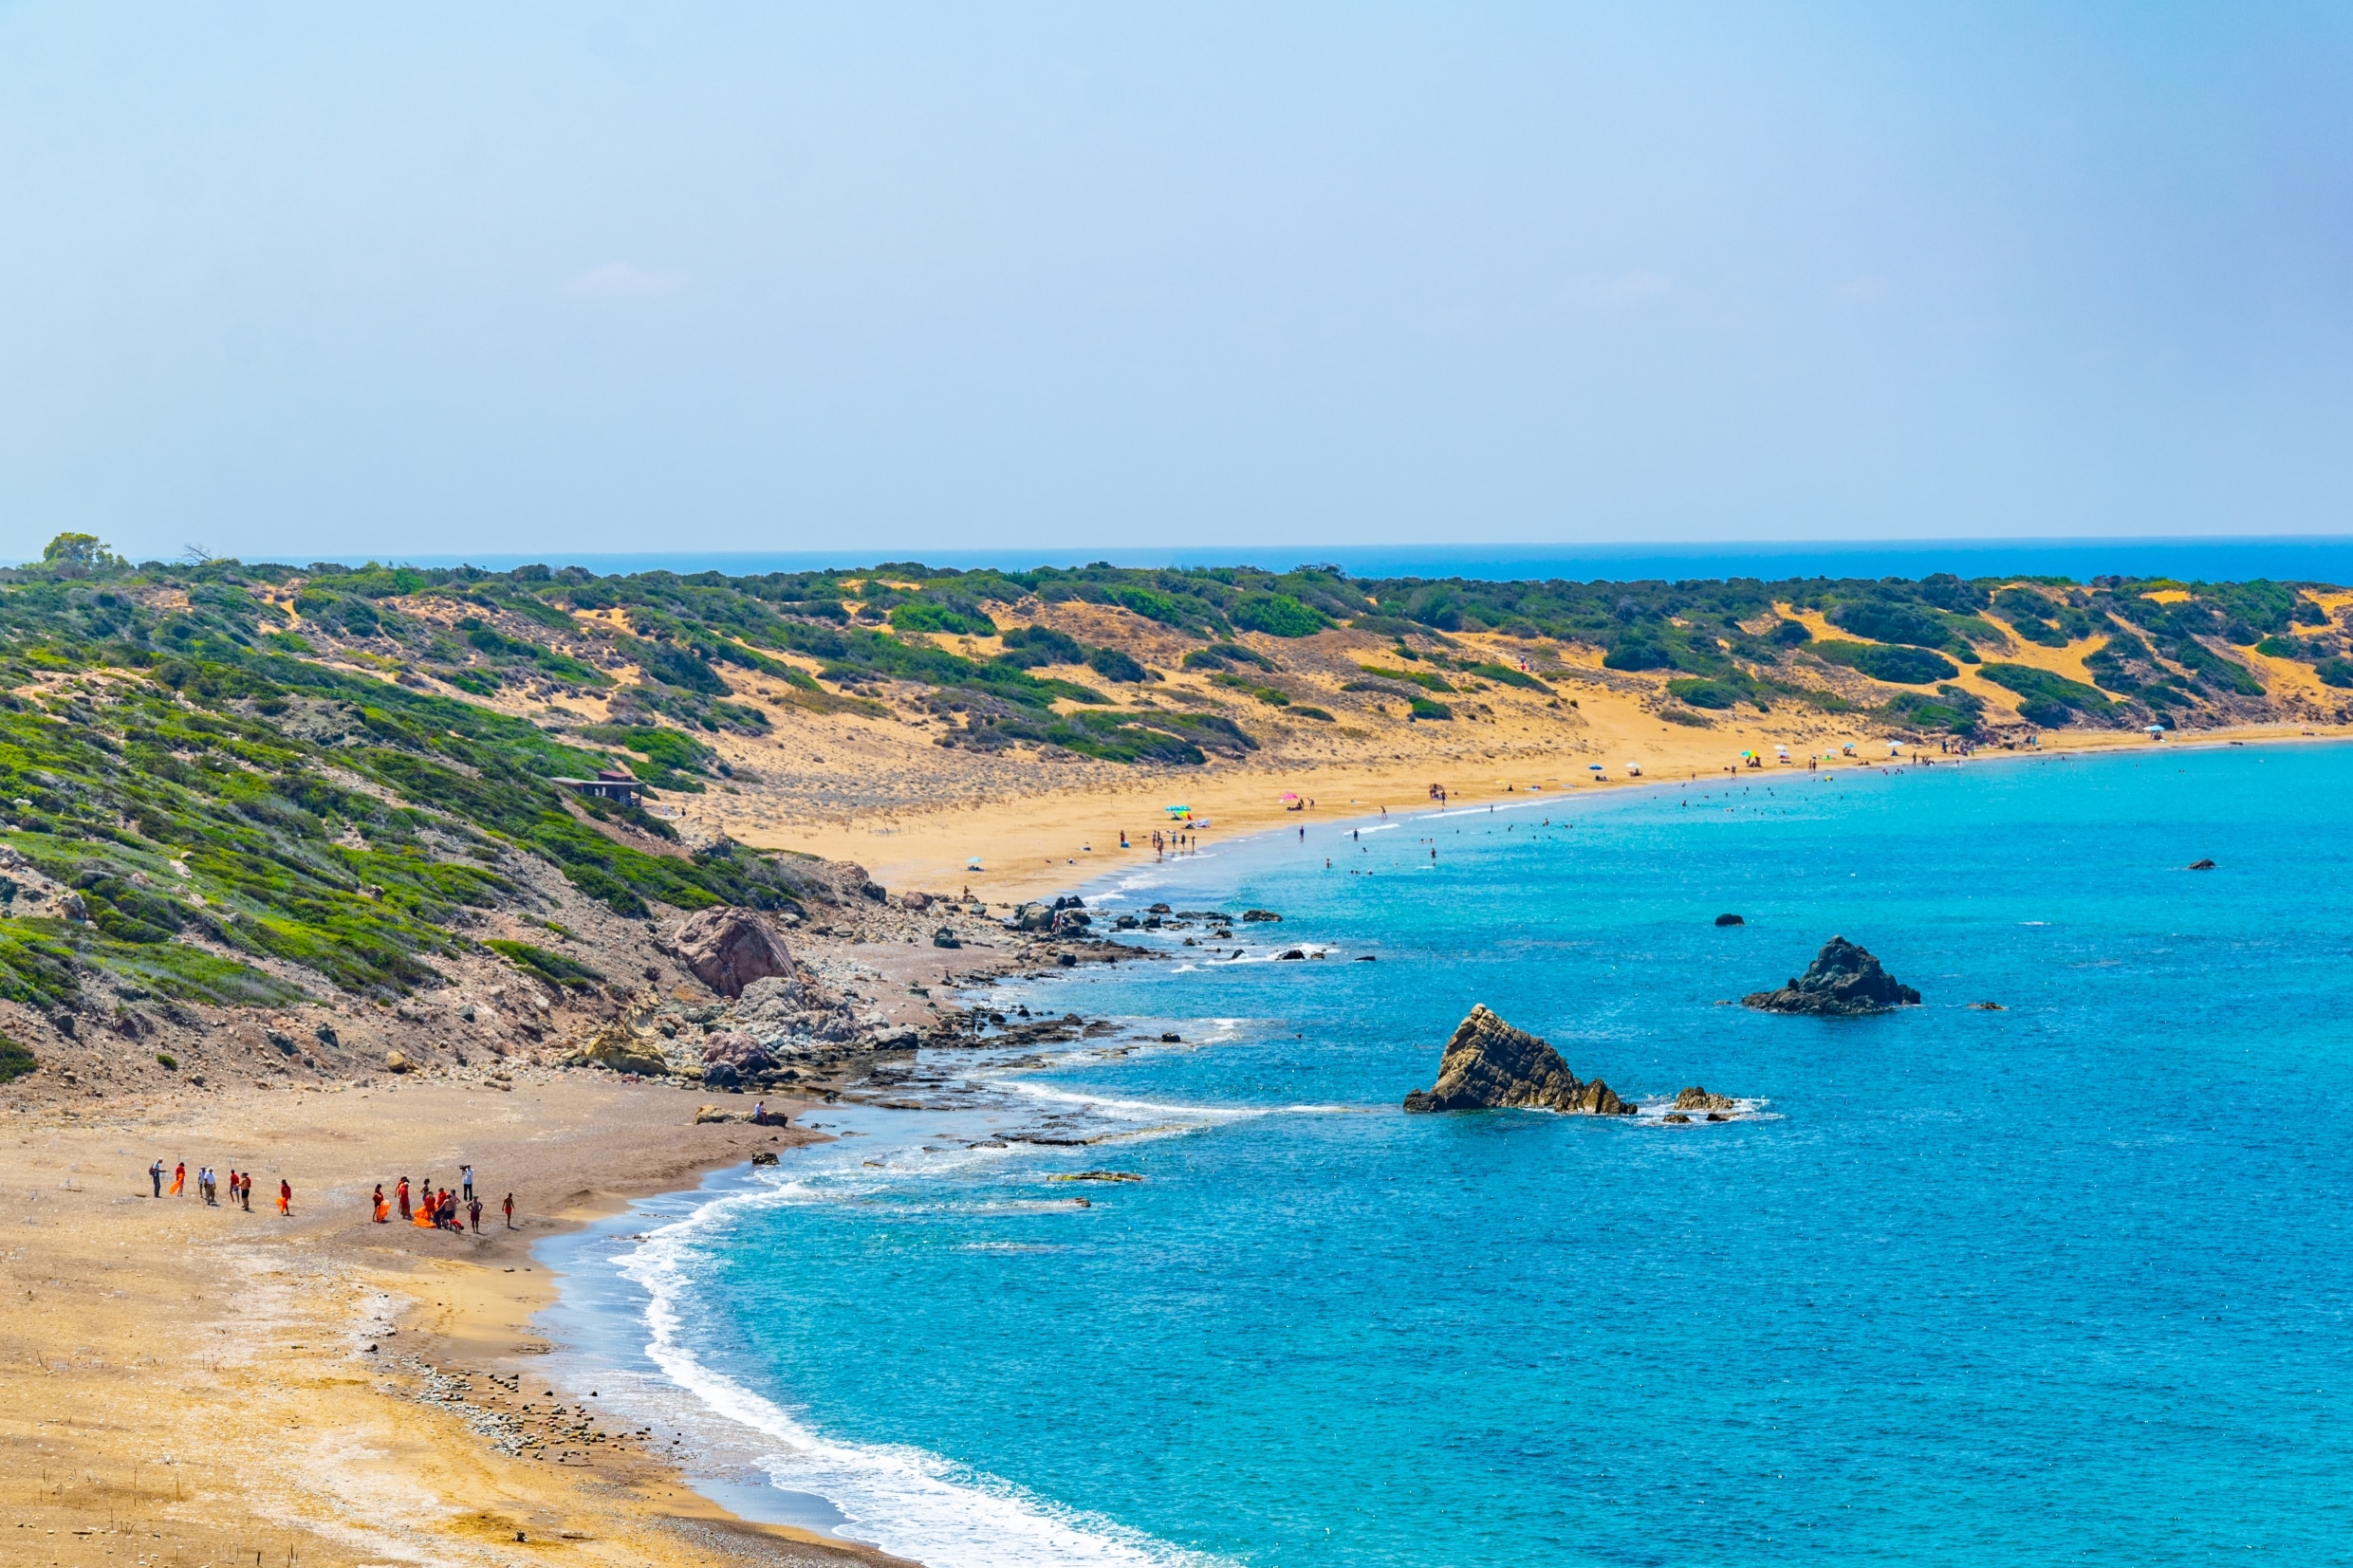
x=207, y=766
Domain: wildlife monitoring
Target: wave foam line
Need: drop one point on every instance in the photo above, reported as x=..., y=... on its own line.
x=898, y=1497
x=1161, y=1108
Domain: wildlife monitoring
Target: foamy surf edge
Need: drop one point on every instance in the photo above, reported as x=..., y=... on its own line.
x=898, y=1498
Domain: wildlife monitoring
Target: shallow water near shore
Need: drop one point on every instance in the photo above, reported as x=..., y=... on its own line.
x=2066, y=1282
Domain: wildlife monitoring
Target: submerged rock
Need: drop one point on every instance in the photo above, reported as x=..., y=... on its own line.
x=728, y=949
x=2201, y=865
x=1488, y=1064
x=1696, y=1098
x=1844, y=981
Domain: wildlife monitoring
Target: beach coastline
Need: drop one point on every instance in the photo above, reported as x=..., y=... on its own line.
x=325, y=1388
x=152, y=1337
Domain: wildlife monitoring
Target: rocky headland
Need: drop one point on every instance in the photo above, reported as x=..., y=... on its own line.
x=1844, y=981
x=1489, y=1065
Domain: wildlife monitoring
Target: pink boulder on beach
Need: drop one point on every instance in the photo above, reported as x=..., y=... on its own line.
x=728, y=949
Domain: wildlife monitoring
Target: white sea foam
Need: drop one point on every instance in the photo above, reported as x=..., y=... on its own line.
x=1111, y=1106
x=900, y=1497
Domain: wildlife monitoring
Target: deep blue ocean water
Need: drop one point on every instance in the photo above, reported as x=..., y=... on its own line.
x=2065, y=1282
x=2314, y=558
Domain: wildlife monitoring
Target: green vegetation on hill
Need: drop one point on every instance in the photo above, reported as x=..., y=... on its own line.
x=205, y=758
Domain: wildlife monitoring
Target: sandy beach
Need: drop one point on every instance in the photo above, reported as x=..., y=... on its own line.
x=193, y=1385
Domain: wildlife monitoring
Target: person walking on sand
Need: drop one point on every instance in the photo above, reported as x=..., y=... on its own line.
x=510, y=1208
x=473, y=1212
x=379, y=1209
x=405, y=1214
x=465, y=1180
x=179, y=1178
x=286, y=1198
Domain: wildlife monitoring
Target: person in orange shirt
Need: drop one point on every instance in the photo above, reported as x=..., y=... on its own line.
x=384, y=1210
x=405, y=1199
x=286, y=1197
x=179, y=1178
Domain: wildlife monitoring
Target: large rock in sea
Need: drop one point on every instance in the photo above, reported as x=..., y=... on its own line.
x=1488, y=1064
x=1841, y=981
x=728, y=949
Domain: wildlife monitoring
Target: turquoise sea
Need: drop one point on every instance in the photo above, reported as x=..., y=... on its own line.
x=2063, y=1283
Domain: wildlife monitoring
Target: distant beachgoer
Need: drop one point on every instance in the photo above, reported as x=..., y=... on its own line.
x=383, y=1211
x=424, y=1209
x=286, y=1197
x=510, y=1208
x=465, y=1179
x=405, y=1213
x=154, y=1174
x=244, y=1192
x=759, y=1113
x=179, y=1178
x=473, y=1212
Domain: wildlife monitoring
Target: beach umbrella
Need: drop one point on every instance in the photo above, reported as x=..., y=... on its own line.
x=1178, y=810
x=1287, y=795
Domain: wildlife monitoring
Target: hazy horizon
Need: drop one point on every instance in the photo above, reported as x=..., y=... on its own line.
x=302, y=284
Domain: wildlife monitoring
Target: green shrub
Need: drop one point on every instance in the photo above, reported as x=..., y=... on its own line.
x=1425, y=709
x=15, y=1060
x=1901, y=666
x=1428, y=680
x=1504, y=675
x=2335, y=672
x=169, y=1063
x=554, y=967
x=1114, y=666
x=1306, y=713
x=2045, y=692
x=1278, y=615
x=921, y=614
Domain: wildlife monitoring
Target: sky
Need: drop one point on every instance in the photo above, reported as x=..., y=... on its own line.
x=302, y=282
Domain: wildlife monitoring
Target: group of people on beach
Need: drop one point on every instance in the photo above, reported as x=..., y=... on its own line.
x=438, y=1209
x=209, y=1187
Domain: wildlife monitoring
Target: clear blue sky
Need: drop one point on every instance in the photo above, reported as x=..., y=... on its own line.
x=301, y=279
